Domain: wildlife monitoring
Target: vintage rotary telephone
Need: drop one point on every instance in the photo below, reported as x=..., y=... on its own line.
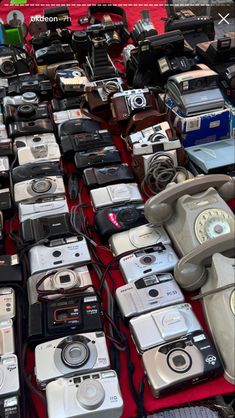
x=217, y=291
x=193, y=211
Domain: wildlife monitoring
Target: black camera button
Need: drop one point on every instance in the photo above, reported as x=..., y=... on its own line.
x=153, y=293
x=56, y=253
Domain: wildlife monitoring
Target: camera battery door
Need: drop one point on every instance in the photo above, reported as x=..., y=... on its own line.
x=69, y=356
x=115, y=195
x=180, y=363
x=9, y=375
x=139, y=237
x=147, y=294
x=157, y=259
x=108, y=221
x=94, y=393
x=162, y=325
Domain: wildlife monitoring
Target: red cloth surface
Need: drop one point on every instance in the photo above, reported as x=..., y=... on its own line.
x=205, y=390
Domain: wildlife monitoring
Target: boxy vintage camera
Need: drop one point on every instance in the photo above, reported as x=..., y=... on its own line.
x=157, y=259
x=51, y=54
x=85, y=141
x=148, y=293
x=25, y=112
x=69, y=356
x=181, y=363
x=99, y=94
x=49, y=227
x=25, y=98
x=33, y=170
x=47, y=207
x=31, y=83
x=39, y=188
x=94, y=177
x=39, y=126
x=69, y=396
x=126, y=103
x=12, y=63
x=9, y=373
x=114, y=195
x=163, y=325
x=39, y=153
x=58, y=253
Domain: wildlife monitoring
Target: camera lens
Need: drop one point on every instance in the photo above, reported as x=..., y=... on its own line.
x=41, y=186
x=26, y=110
x=110, y=87
x=90, y=394
x=137, y=101
x=147, y=259
x=128, y=216
x=179, y=361
x=7, y=68
x=75, y=354
x=66, y=279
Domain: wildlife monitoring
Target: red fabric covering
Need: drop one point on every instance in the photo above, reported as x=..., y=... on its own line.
x=216, y=387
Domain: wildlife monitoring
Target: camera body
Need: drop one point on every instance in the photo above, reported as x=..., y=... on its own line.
x=47, y=207
x=65, y=104
x=51, y=53
x=72, y=80
x=9, y=407
x=99, y=94
x=7, y=345
x=108, y=221
x=180, y=363
x=69, y=356
x=139, y=237
x=63, y=394
x=49, y=227
x=10, y=375
x=6, y=147
x=52, y=69
x=12, y=63
x=39, y=153
x=157, y=327
x=39, y=188
x=85, y=141
x=25, y=112
x=96, y=157
x=67, y=278
x=153, y=139
x=128, y=102
x=94, y=177
x=114, y=195
x=66, y=115
x=31, y=83
x=143, y=28
x=148, y=293
x=32, y=140
x=30, y=171
x=7, y=303
x=157, y=259
x=27, y=97
x=39, y=126
x=59, y=253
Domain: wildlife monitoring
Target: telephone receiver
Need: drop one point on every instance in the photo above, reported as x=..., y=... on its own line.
x=159, y=209
x=190, y=272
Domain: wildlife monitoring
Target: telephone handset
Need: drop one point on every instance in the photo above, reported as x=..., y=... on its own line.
x=190, y=272
x=194, y=211
x=218, y=297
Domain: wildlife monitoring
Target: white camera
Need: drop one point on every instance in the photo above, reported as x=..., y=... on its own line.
x=69, y=356
x=9, y=375
x=66, y=278
x=46, y=208
x=38, y=188
x=58, y=253
x=4, y=164
x=115, y=195
x=153, y=139
x=139, y=237
x=157, y=259
x=3, y=131
x=94, y=394
x=163, y=325
x=7, y=345
x=39, y=153
x=32, y=140
x=64, y=115
x=7, y=303
x=149, y=293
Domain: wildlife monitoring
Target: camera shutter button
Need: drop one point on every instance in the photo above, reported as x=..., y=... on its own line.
x=90, y=394
x=153, y=293
x=56, y=253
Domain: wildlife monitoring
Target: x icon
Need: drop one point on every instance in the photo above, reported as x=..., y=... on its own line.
x=223, y=18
